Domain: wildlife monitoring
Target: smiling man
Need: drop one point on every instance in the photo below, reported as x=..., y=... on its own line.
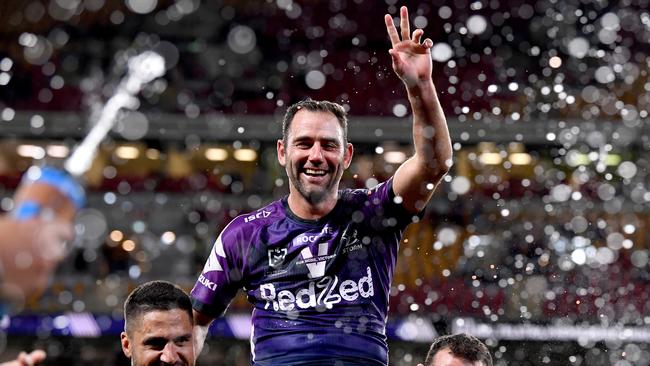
x=317, y=264
x=158, y=326
x=458, y=350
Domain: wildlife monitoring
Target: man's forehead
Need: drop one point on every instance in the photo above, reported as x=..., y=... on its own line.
x=306, y=121
x=306, y=114
x=160, y=320
x=445, y=357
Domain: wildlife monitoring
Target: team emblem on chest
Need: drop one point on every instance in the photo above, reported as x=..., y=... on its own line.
x=276, y=257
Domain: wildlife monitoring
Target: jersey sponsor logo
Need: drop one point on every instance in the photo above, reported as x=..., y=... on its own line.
x=316, y=266
x=276, y=257
x=323, y=293
x=258, y=215
x=304, y=239
x=301, y=239
x=207, y=283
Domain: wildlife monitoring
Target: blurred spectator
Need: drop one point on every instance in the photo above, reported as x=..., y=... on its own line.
x=458, y=350
x=30, y=252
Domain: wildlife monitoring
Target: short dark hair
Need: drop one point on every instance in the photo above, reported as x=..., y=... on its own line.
x=152, y=296
x=315, y=106
x=461, y=345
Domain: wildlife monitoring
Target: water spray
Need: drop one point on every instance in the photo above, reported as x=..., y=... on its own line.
x=50, y=192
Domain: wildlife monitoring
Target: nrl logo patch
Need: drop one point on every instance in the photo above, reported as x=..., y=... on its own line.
x=276, y=257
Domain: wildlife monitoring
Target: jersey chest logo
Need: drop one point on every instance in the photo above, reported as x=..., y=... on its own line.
x=316, y=266
x=276, y=257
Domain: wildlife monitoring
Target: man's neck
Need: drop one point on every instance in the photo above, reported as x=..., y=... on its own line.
x=311, y=211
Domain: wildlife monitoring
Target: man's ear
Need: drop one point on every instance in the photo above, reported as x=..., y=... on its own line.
x=347, y=158
x=126, y=345
x=282, y=159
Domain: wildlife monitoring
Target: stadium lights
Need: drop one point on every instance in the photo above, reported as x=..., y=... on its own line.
x=575, y=158
x=245, y=155
x=551, y=332
x=116, y=236
x=612, y=159
x=57, y=151
x=152, y=154
x=488, y=153
x=394, y=157
x=127, y=152
x=128, y=245
x=216, y=154
x=490, y=158
x=168, y=237
x=520, y=158
x=30, y=151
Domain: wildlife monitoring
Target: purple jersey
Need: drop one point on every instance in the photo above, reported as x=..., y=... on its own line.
x=320, y=288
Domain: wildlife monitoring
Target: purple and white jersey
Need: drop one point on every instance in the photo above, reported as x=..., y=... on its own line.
x=320, y=288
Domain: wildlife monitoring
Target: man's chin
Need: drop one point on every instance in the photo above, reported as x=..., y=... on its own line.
x=314, y=195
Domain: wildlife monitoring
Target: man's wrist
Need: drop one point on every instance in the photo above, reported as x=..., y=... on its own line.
x=423, y=90
x=420, y=84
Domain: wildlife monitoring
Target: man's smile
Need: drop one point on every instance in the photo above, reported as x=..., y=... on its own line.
x=315, y=172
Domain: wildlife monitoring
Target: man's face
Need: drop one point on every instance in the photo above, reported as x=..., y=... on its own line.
x=160, y=337
x=314, y=155
x=444, y=357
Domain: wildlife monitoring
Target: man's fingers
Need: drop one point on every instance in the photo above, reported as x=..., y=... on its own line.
x=25, y=360
x=428, y=43
x=32, y=359
x=404, y=23
x=37, y=356
x=417, y=35
x=394, y=56
x=392, y=31
x=52, y=238
x=62, y=230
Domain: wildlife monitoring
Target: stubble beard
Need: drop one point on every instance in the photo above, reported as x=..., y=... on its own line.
x=314, y=196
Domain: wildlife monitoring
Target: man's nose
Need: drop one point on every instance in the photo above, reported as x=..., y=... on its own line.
x=170, y=354
x=316, y=153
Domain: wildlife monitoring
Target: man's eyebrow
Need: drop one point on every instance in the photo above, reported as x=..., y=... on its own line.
x=184, y=337
x=308, y=138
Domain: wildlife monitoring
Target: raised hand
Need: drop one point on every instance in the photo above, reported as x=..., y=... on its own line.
x=33, y=358
x=411, y=59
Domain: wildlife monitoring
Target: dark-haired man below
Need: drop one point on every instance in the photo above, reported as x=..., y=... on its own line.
x=458, y=350
x=158, y=326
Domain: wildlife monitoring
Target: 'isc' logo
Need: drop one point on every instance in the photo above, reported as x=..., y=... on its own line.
x=257, y=215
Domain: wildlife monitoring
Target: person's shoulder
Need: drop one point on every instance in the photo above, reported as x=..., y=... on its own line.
x=261, y=217
x=243, y=230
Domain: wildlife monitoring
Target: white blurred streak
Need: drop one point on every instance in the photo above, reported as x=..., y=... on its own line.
x=143, y=68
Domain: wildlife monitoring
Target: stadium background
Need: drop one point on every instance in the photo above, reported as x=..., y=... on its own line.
x=536, y=242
